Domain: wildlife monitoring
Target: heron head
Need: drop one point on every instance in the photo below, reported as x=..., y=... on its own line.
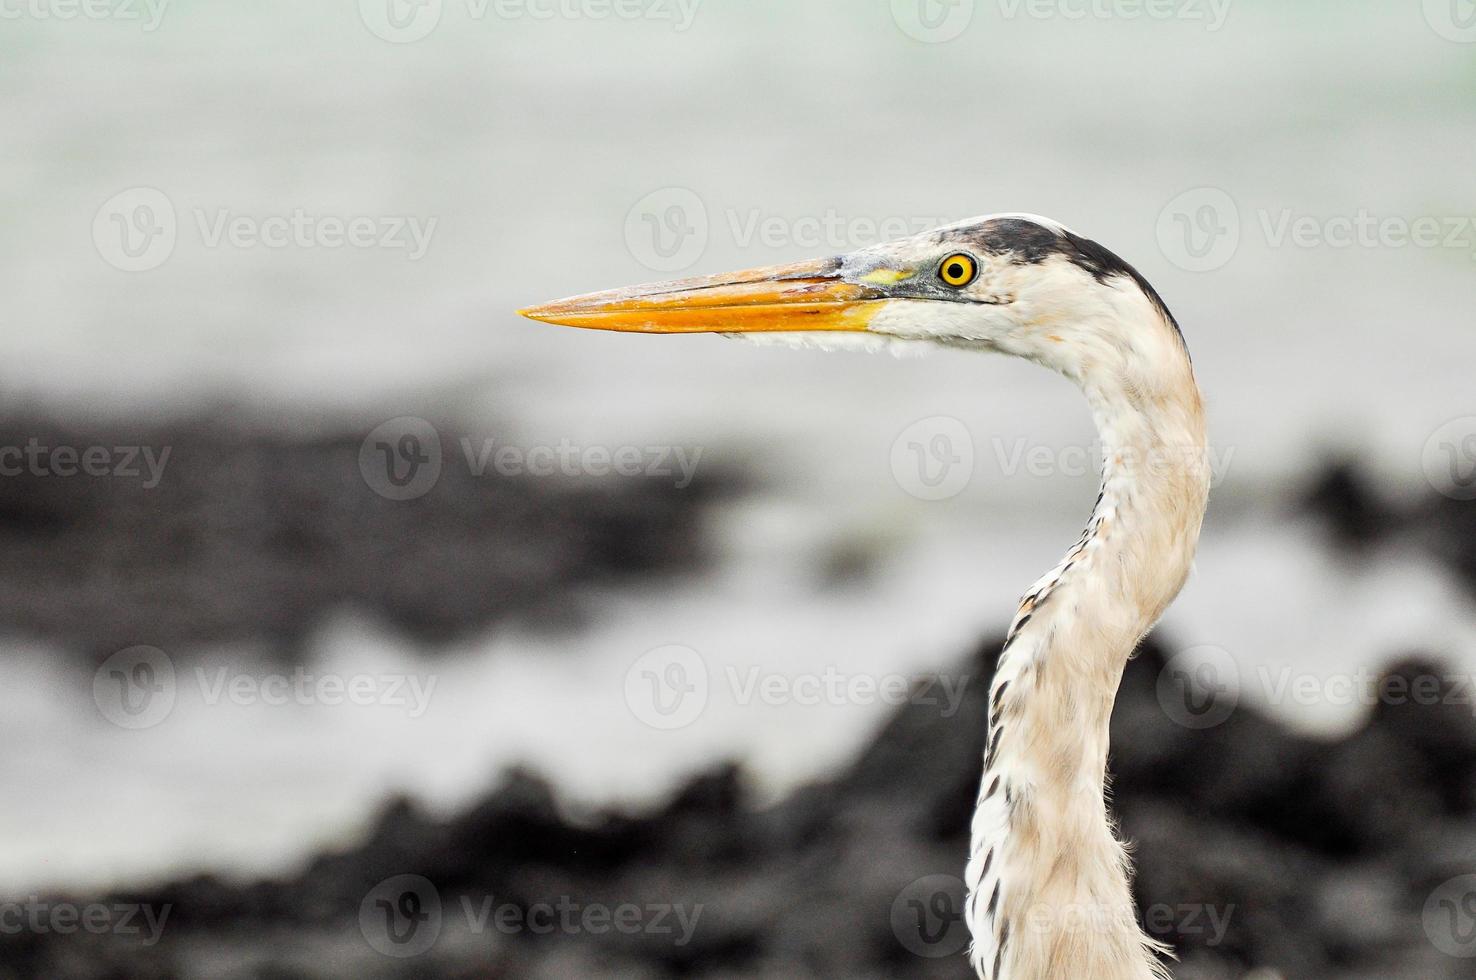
x=1017, y=284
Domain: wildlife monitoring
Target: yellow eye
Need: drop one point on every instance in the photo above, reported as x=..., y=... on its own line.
x=958, y=270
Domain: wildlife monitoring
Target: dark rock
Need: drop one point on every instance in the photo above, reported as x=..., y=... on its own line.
x=252, y=535
x=1447, y=528
x=1345, y=500
x=1254, y=848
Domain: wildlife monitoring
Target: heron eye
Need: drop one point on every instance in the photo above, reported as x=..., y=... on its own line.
x=958, y=270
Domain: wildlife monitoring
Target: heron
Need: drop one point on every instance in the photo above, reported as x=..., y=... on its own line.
x=1048, y=875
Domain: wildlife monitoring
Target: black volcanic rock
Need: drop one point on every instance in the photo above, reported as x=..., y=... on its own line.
x=1349, y=505
x=253, y=535
x=1447, y=528
x=1345, y=500
x=1253, y=848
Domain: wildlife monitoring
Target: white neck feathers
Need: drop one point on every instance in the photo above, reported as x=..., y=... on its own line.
x=1050, y=895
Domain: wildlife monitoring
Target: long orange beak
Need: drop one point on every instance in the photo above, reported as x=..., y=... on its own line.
x=807, y=296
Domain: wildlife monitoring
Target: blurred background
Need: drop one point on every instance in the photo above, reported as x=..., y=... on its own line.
x=353, y=626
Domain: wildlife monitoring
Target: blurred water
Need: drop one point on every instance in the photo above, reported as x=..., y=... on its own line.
x=529, y=142
x=253, y=788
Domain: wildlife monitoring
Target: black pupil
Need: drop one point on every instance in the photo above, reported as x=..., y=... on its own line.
x=956, y=271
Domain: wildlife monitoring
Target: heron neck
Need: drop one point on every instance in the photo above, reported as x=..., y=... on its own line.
x=1050, y=889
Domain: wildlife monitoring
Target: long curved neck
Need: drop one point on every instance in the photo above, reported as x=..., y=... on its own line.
x=1050, y=895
